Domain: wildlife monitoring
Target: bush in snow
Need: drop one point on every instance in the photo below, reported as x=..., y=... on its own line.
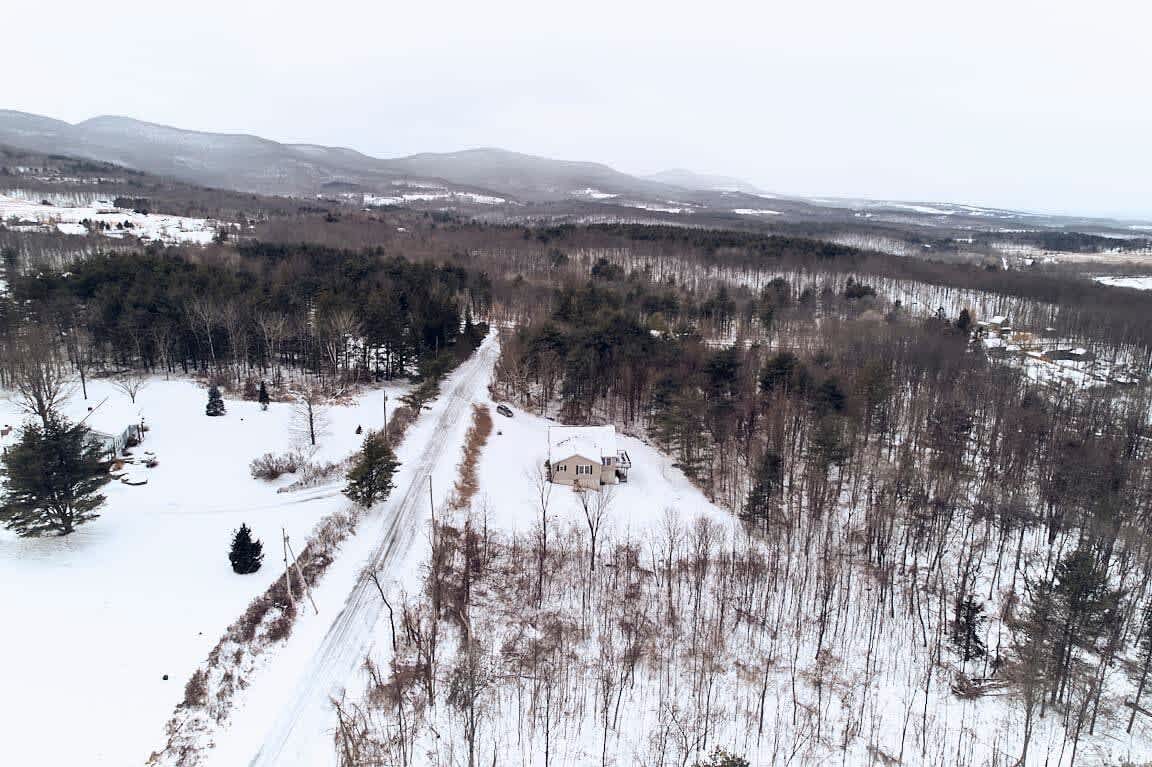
x=215, y=404
x=721, y=758
x=271, y=466
x=247, y=553
x=262, y=395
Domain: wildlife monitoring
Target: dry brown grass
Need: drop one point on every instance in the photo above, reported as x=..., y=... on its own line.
x=474, y=443
x=402, y=418
x=196, y=690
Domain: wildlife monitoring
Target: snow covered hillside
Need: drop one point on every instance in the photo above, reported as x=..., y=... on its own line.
x=22, y=213
x=145, y=590
x=686, y=635
x=1138, y=283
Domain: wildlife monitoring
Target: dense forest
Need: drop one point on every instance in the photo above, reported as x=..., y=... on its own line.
x=334, y=313
x=1026, y=502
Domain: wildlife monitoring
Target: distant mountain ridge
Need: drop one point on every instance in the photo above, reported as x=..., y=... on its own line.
x=704, y=181
x=253, y=164
x=488, y=176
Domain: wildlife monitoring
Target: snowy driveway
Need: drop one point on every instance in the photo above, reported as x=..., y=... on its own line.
x=301, y=734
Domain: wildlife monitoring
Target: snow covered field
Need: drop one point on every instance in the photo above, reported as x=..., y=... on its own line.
x=1139, y=283
x=756, y=212
x=67, y=220
x=146, y=589
x=374, y=200
x=520, y=444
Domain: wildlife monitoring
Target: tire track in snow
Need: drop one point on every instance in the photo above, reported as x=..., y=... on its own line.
x=296, y=730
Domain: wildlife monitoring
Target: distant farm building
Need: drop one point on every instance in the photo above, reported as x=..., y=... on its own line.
x=993, y=325
x=586, y=457
x=1072, y=355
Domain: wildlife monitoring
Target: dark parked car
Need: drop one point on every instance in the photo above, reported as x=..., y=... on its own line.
x=504, y=410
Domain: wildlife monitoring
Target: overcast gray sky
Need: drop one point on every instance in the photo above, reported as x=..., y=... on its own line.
x=1032, y=105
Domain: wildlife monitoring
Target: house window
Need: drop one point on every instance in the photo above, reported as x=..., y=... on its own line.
x=561, y=467
x=583, y=469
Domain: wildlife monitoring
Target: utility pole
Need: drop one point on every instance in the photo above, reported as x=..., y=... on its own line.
x=432, y=506
x=287, y=569
x=300, y=575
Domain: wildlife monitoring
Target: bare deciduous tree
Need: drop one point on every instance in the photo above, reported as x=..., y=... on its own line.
x=595, y=505
x=338, y=331
x=273, y=327
x=309, y=414
x=130, y=383
x=40, y=382
x=543, y=490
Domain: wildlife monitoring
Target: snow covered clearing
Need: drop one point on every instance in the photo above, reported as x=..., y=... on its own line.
x=145, y=590
x=593, y=194
x=113, y=222
x=927, y=209
x=756, y=212
x=658, y=208
x=373, y=200
x=1137, y=283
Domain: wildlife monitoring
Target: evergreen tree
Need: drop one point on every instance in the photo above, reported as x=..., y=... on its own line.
x=263, y=397
x=828, y=398
x=215, y=402
x=966, y=628
x=964, y=321
x=1085, y=607
x=769, y=477
x=370, y=479
x=782, y=371
x=247, y=554
x=54, y=474
x=1065, y=618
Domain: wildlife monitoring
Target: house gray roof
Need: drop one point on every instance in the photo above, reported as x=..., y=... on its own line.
x=595, y=442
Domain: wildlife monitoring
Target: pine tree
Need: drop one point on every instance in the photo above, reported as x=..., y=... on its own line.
x=215, y=402
x=966, y=628
x=964, y=321
x=785, y=371
x=263, y=396
x=246, y=554
x=370, y=479
x=54, y=474
x=828, y=398
x=769, y=476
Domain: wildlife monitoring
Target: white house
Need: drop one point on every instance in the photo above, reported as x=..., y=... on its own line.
x=586, y=456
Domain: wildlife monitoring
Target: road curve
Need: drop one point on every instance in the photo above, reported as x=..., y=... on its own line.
x=297, y=735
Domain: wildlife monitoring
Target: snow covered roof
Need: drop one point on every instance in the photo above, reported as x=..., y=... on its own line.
x=585, y=441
